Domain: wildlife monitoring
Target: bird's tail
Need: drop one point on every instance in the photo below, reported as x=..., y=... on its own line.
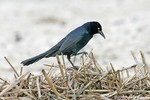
x=33, y=59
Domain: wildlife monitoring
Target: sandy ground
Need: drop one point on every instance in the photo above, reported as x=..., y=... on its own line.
x=30, y=27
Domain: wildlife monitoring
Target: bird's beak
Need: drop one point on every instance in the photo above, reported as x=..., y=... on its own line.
x=101, y=33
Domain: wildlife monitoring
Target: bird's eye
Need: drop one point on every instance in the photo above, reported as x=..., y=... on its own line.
x=98, y=29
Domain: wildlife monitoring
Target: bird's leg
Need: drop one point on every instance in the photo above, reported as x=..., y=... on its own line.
x=75, y=67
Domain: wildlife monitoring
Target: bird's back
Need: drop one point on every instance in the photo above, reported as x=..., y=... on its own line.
x=72, y=43
x=75, y=41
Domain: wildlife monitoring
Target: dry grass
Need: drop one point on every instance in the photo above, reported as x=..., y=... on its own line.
x=89, y=82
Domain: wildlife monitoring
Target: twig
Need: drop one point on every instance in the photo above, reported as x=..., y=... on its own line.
x=21, y=70
x=82, y=89
x=134, y=57
x=12, y=66
x=50, y=82
x=13, y=84
x=38, y=88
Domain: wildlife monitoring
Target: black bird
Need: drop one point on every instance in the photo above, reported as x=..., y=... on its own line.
x=71, y=44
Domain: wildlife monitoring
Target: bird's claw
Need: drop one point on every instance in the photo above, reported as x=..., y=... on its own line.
x=75, y=67
x=84, y=53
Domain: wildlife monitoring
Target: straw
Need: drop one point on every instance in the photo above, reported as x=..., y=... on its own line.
x=90, y=81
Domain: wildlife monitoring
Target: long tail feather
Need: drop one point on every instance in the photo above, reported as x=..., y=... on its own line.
x=33, y=59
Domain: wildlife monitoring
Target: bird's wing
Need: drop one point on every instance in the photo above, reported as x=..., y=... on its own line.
x=54, y=49
x=71, y=41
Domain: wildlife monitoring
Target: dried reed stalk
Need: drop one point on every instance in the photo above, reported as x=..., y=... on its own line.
x=90, y=81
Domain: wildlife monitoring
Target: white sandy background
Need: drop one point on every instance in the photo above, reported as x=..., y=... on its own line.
x=30, y=27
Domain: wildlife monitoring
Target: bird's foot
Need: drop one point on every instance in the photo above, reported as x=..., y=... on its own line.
x=75, y=67
x=84, y=54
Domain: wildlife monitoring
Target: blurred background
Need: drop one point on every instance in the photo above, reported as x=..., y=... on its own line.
x=30, y=27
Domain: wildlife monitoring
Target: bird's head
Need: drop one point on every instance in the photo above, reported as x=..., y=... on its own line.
x=96, y=28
